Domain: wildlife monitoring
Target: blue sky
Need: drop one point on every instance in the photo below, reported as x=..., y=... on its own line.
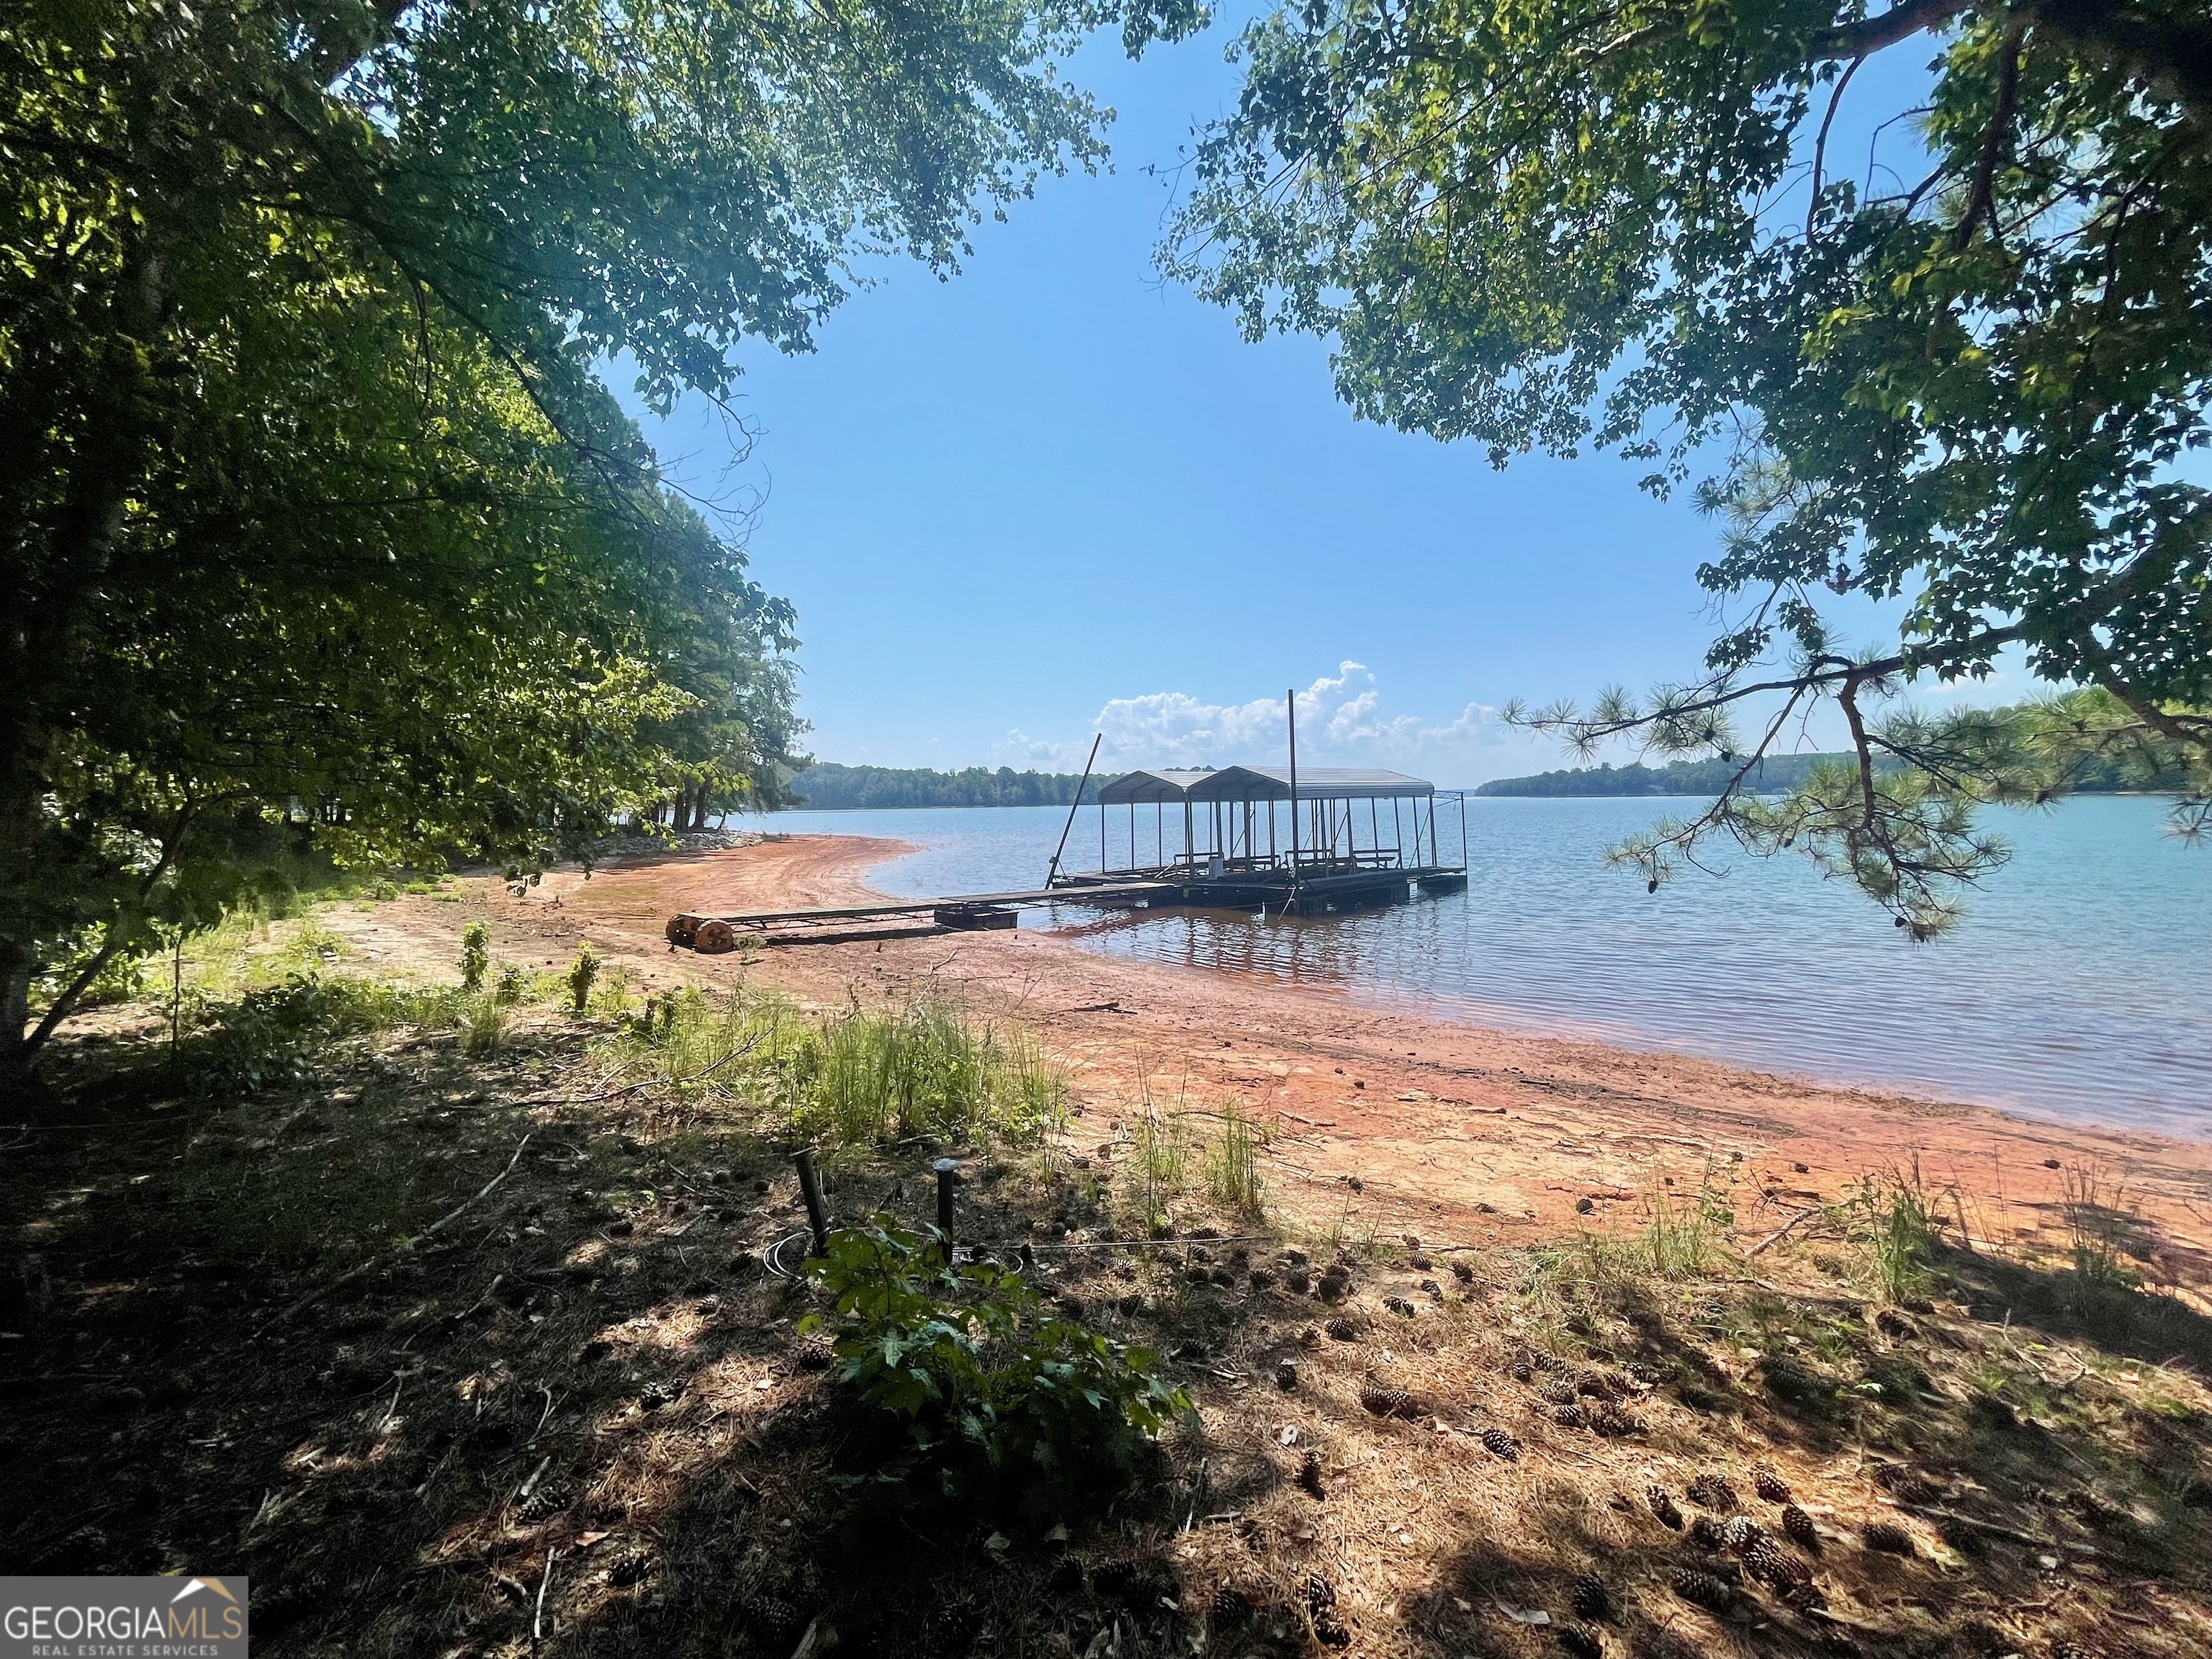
x=1054, y=493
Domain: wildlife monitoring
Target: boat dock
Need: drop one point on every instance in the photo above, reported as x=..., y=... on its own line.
x=832, y=924
x=1277, y=841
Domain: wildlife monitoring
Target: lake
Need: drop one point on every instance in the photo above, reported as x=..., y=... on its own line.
x=2076, y=988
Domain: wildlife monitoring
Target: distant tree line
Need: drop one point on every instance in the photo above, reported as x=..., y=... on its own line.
x=1701, y=777
x=826, y=784
x=2096, y=774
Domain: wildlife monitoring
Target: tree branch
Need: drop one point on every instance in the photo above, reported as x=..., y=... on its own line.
x=2171, y=54
x=1982, y=198
x=1900, y=22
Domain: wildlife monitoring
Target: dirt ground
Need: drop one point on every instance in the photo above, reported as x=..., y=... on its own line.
x=480, y=1354
x=1482, y=1135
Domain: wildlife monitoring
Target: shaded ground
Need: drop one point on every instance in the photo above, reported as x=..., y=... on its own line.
x=580, y=1417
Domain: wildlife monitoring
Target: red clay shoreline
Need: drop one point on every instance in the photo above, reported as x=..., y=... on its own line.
x=1385, y=1119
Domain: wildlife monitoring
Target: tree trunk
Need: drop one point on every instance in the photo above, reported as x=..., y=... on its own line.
x=14, y=1026
x=19, y=876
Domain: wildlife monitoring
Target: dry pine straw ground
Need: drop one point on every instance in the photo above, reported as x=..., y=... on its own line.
x=583, y=1410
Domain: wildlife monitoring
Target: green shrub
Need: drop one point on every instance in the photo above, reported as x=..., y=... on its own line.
x=476, y=955
x=272, y=1035
x=512, y=986
x=975, y=1394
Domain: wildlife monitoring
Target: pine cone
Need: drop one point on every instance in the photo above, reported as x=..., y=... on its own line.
x=1712, y=1493
x=1463, y=1272
x=769, y=1614
x=1591, y=1598
x=1557, y=1394
x=1286, y=1375
x=1321, y=1603
x=1889, y=1540
x=1649, y=1375
x=1522, y=1371
x=1805, y=1596
x=1232, y=1609
x=629, y=1567
x=1799, y=1525
x=1663, y=1506
x=546, y=1502
x=1612, y=1422
x=1388, y=1402
x=1420, y=1263
x=1903, y=1481
x=1298, y=1281
x=1430, y=1288
x=1499, y=1443
x=1581, y=1641
x=1769, y=1484
x=1567, y=1417
x=1773, y=1566
x=1399, y=1305
x=1342, y=1329
x=1333, y=1285
x=1708, y=1533
x=1308, y=1476
x=1598, y=1385
x=1703, y=1590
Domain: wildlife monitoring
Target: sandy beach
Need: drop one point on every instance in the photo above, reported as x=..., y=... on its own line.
x=1385, y=1122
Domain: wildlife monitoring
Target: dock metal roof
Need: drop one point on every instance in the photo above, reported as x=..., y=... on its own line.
x=1263, y=783
x=1145, y=788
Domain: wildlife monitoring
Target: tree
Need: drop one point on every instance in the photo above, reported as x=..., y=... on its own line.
x=1980, y=391
x=319, y=524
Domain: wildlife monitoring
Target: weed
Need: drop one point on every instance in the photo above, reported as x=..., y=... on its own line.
x=982, y=1394
x=2098, y=1220
x=1890, y=1220
x=610, y=995
x=923, y=1069
x=582, y=973
x=483, y=1024
x=1160, y=1162
x=476, y=955
x=512, y=986
x=1232, y=1164
x=1685, y=1229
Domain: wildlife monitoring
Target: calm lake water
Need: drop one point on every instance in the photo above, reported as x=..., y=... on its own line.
x=2076, y=988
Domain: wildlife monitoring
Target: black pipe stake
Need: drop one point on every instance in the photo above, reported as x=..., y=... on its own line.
x=947, y=1172
x=810, y=1187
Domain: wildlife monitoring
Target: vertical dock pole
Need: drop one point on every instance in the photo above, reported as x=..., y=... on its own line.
x=1291, y=711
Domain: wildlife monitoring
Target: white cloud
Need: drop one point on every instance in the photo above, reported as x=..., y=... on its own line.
x=1341, y=721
